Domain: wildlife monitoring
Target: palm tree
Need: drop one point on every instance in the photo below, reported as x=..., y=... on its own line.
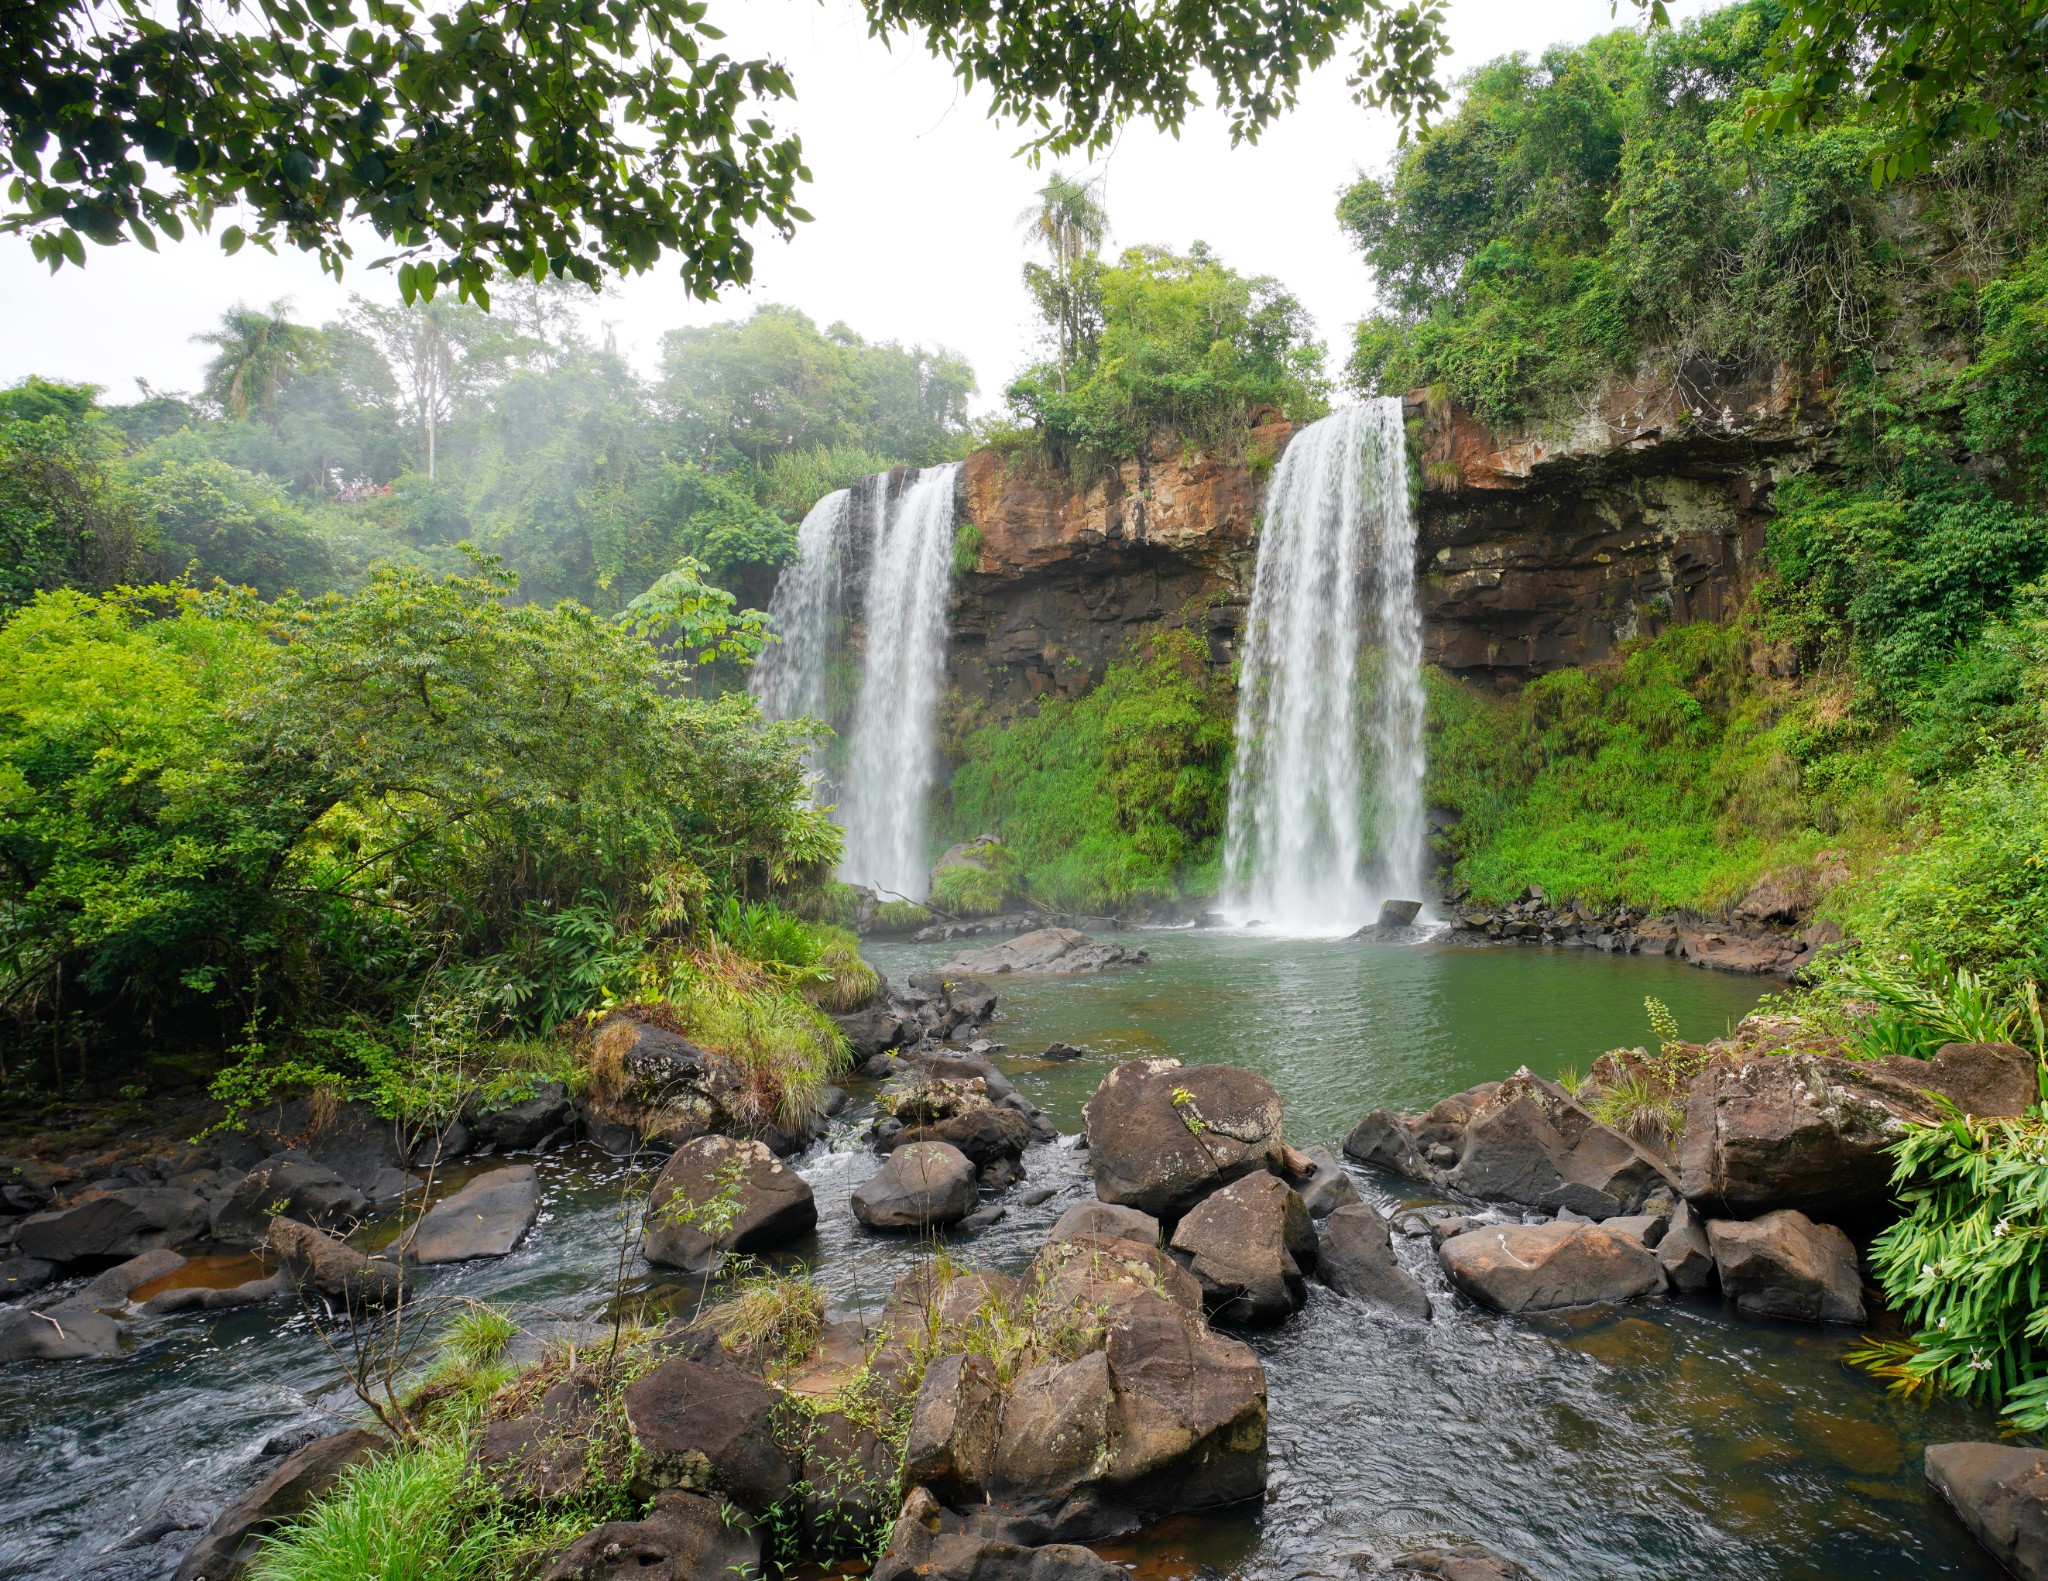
x=1070, y=222
x=255, y=355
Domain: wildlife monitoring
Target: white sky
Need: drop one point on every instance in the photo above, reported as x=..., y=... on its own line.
x=916, y=194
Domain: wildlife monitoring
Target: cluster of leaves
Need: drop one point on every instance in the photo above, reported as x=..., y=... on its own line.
x=1114, y=798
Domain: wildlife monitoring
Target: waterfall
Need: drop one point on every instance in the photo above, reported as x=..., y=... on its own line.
x=896, y=544
x=1326, y=798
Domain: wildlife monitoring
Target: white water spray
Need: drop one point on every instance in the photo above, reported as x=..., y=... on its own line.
x=805, y=613
x=1326, y=798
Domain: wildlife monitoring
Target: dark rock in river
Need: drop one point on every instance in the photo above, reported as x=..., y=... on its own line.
x=77, y=1328
x=1251, y=1246
x=525, y=1124
x=921, y=1184
x=486, y=1218
x=2001, y=1493
x=1460, y=1562
x=1106, y=1218
x=1327, y=1187
x=1685, y=1254
x=1783, y=1265
x=682, y=1538
x=1048, y=951
x=120, y=1223
x=1162, y=1136
x=709, y=1430
x=322, y=1265
x=1547, y=1267
x=1356, y=1259
x=986, y=1135
x=773, y=1203
x=543, y=1456
x=24, y=1276
x=291, y=1186
x=651, y=1086
x=1810, y=1131
x=931, y=1543
x=232, y=1542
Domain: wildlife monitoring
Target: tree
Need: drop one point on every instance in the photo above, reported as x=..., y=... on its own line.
x=439, y=351
x=565, y=138
x=1069, y=221
x=254, y=356
x=65, y=519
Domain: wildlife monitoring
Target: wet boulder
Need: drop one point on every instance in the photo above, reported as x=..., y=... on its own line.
x=682, y=1537
x=1045, y=952
x=652, y=1086
x=121, y=1223
x=1784, y=1265
x=871, y=1031
x=232, y=1543
x=719, y=1195
x=513, y=1127
x=1106, y=1218
x=21, y=1277
x=1451, y=1562
x=318, y=1264
x=711, y=1430
x=919, y=1185
x=931, y=1543
x=288, y=1185
x=952, y=1443
x=81, y=1326
x=1162, y=1136
x=1810, y=1131
x=486, y=1218
x=1356, y=1259
x=1251, y=1246
x=988, y=1135
x=1516, y=1268
x=1685, y=1254
x=1324, y=1184
x=1533, y=1144
x=2000, y=1491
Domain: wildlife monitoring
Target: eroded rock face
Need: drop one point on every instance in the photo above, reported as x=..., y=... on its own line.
x=1810, y=1131
x=1783, y=1265
x=1357, y=1259
x=709, y=1430
x=1162, y=1136
x=918, y=1185
x=1251, y=1246
x=1685, y=1254
x=682, y=1538
x=486, y=1218
x=2001, y=1493
x=1326, y=1187
x=931, y=1543
x=543, y=1456
x=770, y=1203
x=114, y=1224
x=1046, y=952
x=655, y=1087
x=525, y=1124
x=1106, y=1218
x=288, y=1185
x=1546, y=1267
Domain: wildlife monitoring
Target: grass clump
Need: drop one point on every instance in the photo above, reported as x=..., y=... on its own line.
x=902, y=916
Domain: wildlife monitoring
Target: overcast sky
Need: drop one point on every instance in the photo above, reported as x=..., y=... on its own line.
x=916, y=194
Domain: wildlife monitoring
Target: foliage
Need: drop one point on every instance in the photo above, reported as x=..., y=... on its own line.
x=1186, y=343
x=1117, y=797
x=983, y=879
x=1916, y=1011
x=901, y=916
x=1643, y=1109
x=1069, y=222
x=66, y=519
x=208, y=516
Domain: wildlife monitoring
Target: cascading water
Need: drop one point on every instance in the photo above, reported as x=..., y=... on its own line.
x=899, y=541
x=1326, y=801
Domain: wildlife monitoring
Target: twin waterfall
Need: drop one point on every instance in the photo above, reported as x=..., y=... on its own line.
x=880, y=553
x=1326, y=801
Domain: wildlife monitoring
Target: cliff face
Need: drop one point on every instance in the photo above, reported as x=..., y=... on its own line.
x=1535, y=551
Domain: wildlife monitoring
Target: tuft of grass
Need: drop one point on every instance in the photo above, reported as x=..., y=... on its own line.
x=901, y=916
x=777, y=1317
x=1642, y=1109
x=479, y=1335
x=845, y=981
x=404, y=1514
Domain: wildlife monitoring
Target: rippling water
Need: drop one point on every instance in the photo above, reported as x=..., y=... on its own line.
x=1664, y=1440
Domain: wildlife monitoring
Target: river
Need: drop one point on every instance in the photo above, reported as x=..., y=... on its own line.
x=1660, y=1441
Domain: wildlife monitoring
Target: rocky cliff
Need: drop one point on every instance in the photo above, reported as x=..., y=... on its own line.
x=1536, y=550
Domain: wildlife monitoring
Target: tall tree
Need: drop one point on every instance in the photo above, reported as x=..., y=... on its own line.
x=1070, y=223
x=255, y=354
x=438, y=351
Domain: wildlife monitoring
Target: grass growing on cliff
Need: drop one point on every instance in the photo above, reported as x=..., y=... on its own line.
x=1116, y=798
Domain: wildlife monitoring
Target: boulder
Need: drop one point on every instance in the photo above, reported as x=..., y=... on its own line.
x=952, y=1443
x=683, y=1537
x=1526, y=1141
x=919, y=1185
x=289, y=1185
x=650, y=1085
x=1162, y=1136
x=2000, y=1491
x=1045, y=952
x=486, y=1218
x=79, y=1328
x=1251, y=1246
x=1783, y=1265
x=233, y=1541
x=1517, y=1268
x=987, y=1135
x=543, y=1456
x=1106, y=1218
x=718, y=1195
x=319, y=1263
x=850, y=1480
x=24, y=1276
x=1356, y=1259
x=1810, y=1131
x=871, y=1031
x=121, y=1223
x=1752, y=954
x=710, y=1430
x=1326, y=1186
x=1054, y=1428
x=1685, y=1254
x=931, y=1543
x=1452, y=1562
x=525, y=1124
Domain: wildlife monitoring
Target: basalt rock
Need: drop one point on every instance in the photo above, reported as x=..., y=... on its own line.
x=652, y=1086
x=1685, y=1254
x=919, y=1185
x=122, y=1223
x=1162, y=1136
x=931, y=1543
x=486, y=1218
x=771, y=1203
x=1251, y=1246
x=233, y=1541
x=81, y=1326
x=1783, y=1265
x=711, y=1430
x=2001, y=1493
x=323, y=1266
x=290, y=1185
x=1047, y=952
x=525, y=1124
x=986, y=1135
x=543, y=1456
x=1546, y=1267
x=683, y=1537
x=1106, y=1218
x=1325, y=1187
x=1810, y=1131
x=1356, y=1259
